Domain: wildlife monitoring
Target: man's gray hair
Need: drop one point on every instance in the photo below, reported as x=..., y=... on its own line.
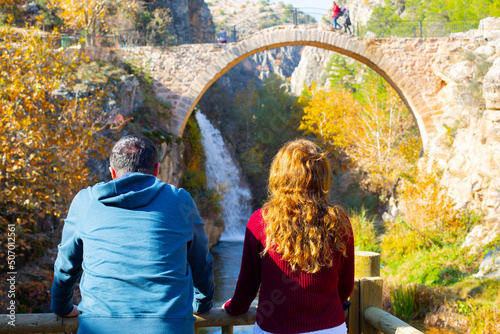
x=134, y=153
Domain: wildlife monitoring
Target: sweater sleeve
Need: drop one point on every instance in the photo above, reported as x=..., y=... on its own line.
x=68, y=265
x=346, y=272
x=200, y=260
x=248, y=282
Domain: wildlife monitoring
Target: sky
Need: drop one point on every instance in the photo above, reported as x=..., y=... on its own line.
x=319, y=4
x=324, y=4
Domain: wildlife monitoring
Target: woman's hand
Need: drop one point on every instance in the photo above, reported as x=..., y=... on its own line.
x=73, y=313
x=226, y=303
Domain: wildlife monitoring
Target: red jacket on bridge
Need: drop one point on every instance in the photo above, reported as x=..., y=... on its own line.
x=336, y=10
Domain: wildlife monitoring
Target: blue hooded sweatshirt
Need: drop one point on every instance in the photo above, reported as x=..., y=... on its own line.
x=142, y=248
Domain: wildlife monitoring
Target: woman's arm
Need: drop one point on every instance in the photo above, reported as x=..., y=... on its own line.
x=346, y=272
x=249, y=278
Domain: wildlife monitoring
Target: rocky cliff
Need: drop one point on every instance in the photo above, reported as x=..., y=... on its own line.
x=192, y=22
x=468, y=148
x=311, y=68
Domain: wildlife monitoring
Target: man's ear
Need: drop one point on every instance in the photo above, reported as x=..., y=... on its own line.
x=157, y=170
x=113, y=172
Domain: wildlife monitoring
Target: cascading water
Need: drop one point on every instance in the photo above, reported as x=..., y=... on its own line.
x=222, y=172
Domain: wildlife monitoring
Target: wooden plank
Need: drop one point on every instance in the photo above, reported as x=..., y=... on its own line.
x=217, y=317
x=353, y=321
x=370, y=295
x=387, y=323
x=38, y=323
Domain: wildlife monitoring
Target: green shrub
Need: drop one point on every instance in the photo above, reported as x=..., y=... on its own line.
x=364, y=231
x=482, y=318
x=412, y=301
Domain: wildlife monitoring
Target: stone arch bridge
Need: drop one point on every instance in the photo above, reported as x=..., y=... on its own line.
x=182, y=74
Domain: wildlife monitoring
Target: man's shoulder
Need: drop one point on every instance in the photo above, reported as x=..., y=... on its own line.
x=178, y=192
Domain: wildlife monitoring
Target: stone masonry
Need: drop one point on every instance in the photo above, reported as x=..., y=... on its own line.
x=183, y=73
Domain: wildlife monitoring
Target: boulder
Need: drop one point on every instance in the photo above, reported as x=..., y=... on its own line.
x=481, y=235
x=486, y=50
x=490, y=266
x=490, y=24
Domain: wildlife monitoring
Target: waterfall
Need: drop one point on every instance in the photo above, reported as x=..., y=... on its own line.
x=222, y=171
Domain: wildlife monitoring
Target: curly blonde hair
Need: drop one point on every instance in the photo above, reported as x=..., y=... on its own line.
x=301, y=226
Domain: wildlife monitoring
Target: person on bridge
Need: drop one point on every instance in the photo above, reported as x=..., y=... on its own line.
x=347, y=22
x=298, y=249
x=142, y=248
x=222, y=36
x=336, y=14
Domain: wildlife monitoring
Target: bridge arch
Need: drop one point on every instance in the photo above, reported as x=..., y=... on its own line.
x=365, y=52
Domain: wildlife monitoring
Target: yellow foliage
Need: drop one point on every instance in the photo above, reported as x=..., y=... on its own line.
x=82, y=14
x=376, y=134
x=428, y=217
x=45, y=139
x=328, y=114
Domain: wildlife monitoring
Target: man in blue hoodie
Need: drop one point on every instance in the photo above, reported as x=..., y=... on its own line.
x=142, y=248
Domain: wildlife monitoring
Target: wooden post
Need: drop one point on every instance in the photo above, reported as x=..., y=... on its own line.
x=367, y=264
x=227, y=330
x=354, y=314
x=370, y=295
x=367, y=291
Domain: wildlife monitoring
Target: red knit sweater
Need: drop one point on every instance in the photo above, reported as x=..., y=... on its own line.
x=290, y=302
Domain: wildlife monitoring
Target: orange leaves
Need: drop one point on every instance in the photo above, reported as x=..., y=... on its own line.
x=45, y=137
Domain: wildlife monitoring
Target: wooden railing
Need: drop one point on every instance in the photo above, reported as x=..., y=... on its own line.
x=364, y=316
x=51, y=323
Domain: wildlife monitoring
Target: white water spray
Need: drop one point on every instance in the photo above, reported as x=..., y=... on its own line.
x=221, y=171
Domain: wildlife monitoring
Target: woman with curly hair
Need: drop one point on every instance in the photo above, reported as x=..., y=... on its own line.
x=298, y=249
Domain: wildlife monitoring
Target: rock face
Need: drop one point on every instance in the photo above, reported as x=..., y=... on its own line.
x=312, y=67
x=171, y=167
x=468, y=146
x=201, y=22
x=281, y=61
x=130, y=95
x=361, y=11
x=213, y=231
x=491, y=86
x=192, y=22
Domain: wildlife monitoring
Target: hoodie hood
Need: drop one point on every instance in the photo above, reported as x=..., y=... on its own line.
x=130, y=191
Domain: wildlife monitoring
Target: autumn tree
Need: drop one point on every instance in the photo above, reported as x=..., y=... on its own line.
x=83, y=15
x=10, y=11
x=369, y=123
x=47, y=134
